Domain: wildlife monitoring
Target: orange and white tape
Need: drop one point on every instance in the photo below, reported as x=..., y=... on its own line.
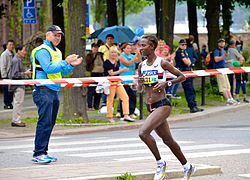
x=86, y=81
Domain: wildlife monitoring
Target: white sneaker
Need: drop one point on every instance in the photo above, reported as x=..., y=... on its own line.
x=189, y=172
x=118, y=115
x=231, y=103
x=160, y=171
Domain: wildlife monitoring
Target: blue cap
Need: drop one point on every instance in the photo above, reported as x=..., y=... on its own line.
x=221, y=39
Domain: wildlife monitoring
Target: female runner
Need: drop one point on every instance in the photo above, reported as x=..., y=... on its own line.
x=152, y=75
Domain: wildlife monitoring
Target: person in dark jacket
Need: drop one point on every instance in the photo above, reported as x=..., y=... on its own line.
x=191, y=53
x=241, y=81
x=183, y=63
x=16, y=71
x=94, y=64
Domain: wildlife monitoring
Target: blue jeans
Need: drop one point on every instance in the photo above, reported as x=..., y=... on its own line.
x=132, y=101
x=104, y=100
x=7, y=96
x=174, y=90
x=189, y=91
x=47, y=102
x=242, y=85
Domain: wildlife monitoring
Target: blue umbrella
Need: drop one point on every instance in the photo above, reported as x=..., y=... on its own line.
x=121, y=34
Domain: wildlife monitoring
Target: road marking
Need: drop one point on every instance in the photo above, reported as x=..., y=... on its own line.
x=143, y=151
x=3, y=147
x=244, y=175
x=237, y=129
x=194, y=155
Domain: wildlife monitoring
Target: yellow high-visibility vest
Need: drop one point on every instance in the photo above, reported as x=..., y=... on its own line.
x=56, y=57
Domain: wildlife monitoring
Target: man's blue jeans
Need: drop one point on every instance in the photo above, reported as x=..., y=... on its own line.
x=47, y=102
x=189, y=91
x=7, y=96
x=174, y=90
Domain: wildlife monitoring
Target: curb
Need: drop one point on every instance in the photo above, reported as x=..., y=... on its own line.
x=182, y=118
x=170, y=174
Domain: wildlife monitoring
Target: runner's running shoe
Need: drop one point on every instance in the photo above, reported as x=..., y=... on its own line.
x=53, y=159
x=160, y=171
x=189, y=172
x=41, y=159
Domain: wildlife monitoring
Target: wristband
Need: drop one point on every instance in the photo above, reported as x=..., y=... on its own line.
x=169, y=83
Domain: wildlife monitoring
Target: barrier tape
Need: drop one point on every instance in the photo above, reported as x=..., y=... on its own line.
x=80, y=82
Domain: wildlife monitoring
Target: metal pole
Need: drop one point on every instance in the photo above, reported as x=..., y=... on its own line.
x=141, y=106
x=123, y=12
x=161, y=19
x=30, y=30
x=203, y=90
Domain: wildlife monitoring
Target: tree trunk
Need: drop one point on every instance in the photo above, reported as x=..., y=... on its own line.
x=157, y=17
x=112, y=13
x=58, y=19
x=100, y=12
x=212, y=16
x=77, y=23
x=227, y=8
x=192, y=24
x=168, y=21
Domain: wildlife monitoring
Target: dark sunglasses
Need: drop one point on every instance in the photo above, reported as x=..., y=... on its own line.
x=183, y=44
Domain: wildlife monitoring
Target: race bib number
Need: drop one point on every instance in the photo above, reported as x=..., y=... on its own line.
x=150, y=76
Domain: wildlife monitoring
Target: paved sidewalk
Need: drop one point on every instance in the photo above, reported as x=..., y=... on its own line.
x=143, y=170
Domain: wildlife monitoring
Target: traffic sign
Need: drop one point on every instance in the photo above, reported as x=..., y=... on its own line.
x=28, y=3
x=29, y=15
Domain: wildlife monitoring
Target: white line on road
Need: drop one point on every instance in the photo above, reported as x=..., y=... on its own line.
x=194, y=155
x=135, y=145
x=3, y=147
x=143, y=151
x=244, y=175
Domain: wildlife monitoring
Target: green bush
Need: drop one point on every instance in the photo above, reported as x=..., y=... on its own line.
x=126, y=176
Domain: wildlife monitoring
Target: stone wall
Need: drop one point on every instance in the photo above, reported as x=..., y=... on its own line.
x=203, y=39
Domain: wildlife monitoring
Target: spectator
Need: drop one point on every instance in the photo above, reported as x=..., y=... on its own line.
x=233, y=55
x=105, y=50
x=94, y=64
x=204, y=53
x=48, y=64
x=239, y=44
x=241, y=81
x=99, y=43
x=183, y=63
x=222, y=79
x=191, y=53
x=170, y=59
x=194, y=44
x=112, y=68
x=160, y=48
x=38, y=42
x=128, y=60
x=4, y=46
x=5, y=62
x=16, y=71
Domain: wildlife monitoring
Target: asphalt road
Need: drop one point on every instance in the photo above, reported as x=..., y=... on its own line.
x=222, y=140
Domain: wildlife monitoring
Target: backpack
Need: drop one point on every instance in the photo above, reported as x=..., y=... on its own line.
x=210, y=59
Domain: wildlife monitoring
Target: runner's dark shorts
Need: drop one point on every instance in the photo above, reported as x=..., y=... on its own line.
x=153, y=106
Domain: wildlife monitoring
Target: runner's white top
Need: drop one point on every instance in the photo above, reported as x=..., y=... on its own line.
x=153, y=74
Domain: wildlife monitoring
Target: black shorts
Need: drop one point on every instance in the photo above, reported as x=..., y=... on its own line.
x=153, y=106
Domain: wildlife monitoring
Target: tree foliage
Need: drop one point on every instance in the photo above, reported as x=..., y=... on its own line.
x=99, y=9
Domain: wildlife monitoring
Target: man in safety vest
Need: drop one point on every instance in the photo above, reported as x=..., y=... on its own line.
x=48, y=64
